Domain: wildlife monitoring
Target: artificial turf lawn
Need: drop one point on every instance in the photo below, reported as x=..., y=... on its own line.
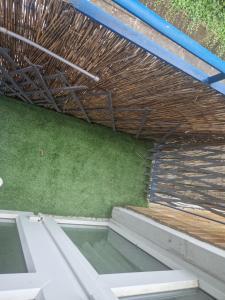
x=56, y=164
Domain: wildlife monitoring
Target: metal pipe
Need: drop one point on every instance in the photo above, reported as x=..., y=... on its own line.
x=146, y=15
x=29, y=42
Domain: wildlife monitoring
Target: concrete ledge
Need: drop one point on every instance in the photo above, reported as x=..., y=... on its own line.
x=204, y=260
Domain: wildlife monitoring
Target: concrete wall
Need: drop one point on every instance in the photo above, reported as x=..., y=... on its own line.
x=176, y=249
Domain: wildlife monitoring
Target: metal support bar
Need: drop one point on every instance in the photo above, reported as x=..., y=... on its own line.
x=103, y=109
x=44, y=85
x=22, y=72
x=47, y=91
x=69, y=88
x=4, y=54
x=215, y=78
x=148, y=16
x=13, y=91
x=91, y=10
x=19, y=71
x=29, y=42
x=59, y=90
x=17, y=89
x=74, y=96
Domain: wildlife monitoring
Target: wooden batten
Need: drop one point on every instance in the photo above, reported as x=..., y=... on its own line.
x=201, y=224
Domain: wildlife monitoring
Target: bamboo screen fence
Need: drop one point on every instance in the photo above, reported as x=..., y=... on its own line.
x=137, y=93
x=189, y=172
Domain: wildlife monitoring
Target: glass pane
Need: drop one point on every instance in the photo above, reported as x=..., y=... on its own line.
x=109, y=253
x=11, y=254
x=191, y=294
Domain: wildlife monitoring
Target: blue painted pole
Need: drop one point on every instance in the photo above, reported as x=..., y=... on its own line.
x=143, y=13
x=215, y=78
x=90, y=9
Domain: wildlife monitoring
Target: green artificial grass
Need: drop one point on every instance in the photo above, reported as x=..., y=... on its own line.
x=56, y=164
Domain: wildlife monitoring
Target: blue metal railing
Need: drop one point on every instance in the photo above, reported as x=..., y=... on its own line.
x=93, y=11
x=148, y=16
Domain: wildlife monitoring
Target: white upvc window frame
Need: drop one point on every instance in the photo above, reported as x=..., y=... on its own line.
x=124, y=284
x=58, y=270
x=20, y=286
x=48, y=277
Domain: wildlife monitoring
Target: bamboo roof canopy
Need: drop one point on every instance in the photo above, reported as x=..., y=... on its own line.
x=137, y=92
